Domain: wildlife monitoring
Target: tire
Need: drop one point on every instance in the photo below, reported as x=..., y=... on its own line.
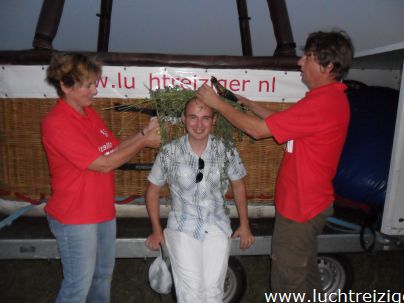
x=336, y=272
x=235, y=282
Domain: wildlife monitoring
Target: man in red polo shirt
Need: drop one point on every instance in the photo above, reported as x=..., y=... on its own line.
x=314, y=130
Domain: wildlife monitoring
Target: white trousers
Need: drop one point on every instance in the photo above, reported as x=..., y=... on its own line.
x=199, y=267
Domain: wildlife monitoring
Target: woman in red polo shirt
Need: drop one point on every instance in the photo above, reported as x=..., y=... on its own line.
x=82, y=154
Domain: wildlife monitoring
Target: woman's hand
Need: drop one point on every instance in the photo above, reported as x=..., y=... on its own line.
x=153, y=123
x=152, y=133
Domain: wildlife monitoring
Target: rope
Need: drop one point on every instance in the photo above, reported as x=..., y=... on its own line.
x=18, y=213
x=29, y=200
x=347, y=225
x=127, y=200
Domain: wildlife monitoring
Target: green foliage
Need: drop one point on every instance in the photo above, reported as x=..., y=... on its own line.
x=170, y=102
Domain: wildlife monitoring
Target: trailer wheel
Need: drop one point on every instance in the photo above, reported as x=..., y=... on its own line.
x=336, y=272
x=235, y=282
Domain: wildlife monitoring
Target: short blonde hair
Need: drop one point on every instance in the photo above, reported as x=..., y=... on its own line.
x=71, y=68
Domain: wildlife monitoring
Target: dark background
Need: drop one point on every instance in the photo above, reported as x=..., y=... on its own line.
x=37, y=281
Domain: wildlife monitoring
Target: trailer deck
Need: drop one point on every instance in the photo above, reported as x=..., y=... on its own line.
x=30, y=238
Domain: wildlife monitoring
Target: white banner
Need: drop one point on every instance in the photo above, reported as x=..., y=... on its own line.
x=18, y=81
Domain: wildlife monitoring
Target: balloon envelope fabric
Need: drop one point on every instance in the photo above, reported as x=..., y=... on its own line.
x=363, y=170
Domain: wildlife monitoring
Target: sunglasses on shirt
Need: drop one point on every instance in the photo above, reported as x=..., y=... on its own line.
x=201, y=166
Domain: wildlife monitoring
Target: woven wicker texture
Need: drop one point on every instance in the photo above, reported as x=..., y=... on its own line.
x=24, y=168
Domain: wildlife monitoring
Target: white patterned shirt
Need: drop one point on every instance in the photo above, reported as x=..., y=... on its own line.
x=194, y=205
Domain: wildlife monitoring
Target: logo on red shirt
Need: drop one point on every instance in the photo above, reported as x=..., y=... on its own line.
x=104, y=132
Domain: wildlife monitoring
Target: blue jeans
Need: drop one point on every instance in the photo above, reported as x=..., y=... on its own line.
x=87, y=253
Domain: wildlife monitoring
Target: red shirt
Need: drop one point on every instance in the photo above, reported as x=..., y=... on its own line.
x=315, y=128
x=72, y=142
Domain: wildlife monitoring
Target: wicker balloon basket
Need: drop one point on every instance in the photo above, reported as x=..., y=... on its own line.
x=24, y=168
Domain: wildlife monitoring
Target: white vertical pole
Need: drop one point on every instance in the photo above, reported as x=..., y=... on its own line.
x=393, y=214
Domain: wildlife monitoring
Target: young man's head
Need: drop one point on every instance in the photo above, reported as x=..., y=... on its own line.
x=327, y=57
x=198, y=118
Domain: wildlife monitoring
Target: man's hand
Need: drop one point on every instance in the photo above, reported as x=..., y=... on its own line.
x=208, y=96
x=243, y=101
x=154, y=241
x=245, y=235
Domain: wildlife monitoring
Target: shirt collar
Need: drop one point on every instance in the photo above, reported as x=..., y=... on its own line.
x=189, y=148
x=71, y=111
x=335, y=85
